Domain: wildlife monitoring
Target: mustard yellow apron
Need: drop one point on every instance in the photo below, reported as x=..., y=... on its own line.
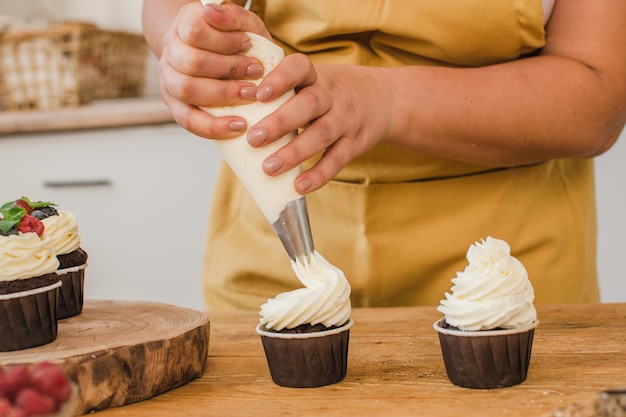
x=396, y=222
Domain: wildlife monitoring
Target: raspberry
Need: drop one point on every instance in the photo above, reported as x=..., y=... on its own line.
x=17, y=412
x=23, y=204
x=49, y=379
x=5, y=407
x=30, y=224
x=15, y=378
x=3, y=384
x=14, y=412
x=34, y=403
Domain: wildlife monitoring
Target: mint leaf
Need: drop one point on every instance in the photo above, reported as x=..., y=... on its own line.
x=37, y=204
x=6, y=206
x=11, y=216
x=6, y=225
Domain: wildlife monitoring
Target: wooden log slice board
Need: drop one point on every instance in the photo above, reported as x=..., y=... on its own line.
x=120, y=352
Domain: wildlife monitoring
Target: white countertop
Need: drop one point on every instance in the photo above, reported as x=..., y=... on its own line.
x=98, y=114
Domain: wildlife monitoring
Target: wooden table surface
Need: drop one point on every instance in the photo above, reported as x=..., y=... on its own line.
x=395, y=369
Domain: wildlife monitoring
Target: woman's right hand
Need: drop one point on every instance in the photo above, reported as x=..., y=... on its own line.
x=201, y=65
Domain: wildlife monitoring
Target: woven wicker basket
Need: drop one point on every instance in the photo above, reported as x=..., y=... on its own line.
x=120, y=59
x=68, y=65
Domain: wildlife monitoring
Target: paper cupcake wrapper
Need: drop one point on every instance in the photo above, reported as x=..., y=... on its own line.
x=71, y=293
x=28, y=318
x=307, y=360
x=486, y=359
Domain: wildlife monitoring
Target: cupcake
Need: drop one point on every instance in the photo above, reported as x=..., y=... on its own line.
x=29, y=284
x=487, y=331
x=305, y=332
x=62, y=228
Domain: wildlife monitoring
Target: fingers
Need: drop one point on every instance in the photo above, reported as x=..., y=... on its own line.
x=322, y=136
x=202, y=123
x=307, y=105
x=202, y=91
x=201, y=65
x=196, y=48
x=334, y=159
x=295, y=71
x=230, y=17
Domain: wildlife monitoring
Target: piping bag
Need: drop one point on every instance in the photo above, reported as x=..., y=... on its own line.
x=277, y=198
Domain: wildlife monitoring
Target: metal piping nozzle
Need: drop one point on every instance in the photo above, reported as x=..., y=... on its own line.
x=294, y=230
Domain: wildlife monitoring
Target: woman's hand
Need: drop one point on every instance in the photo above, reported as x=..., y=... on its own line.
x=201, y=66
x=346, y=110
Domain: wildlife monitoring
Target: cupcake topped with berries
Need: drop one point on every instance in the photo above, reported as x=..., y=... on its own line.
x=26, y=253
x=28, y=280
x=62, y=229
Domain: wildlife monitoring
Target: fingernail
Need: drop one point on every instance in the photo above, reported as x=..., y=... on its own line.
x=248, y=92
x=237, y=125
x=256, y=137
x=303, y=185
x=245, y=46
x=217, y=7
x=272, y=164
x=265, y=93
x=254, y=70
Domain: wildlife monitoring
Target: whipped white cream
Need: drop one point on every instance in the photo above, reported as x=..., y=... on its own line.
x=26, y=255
x=270, y=193
x=63, y=232
x=492, y=292
x=324, y=299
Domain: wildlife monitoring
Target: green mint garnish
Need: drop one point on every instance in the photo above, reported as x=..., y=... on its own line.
x=38, y=204
x=11, y=216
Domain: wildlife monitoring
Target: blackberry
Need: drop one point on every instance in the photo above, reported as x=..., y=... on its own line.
x=44, y=212
x=50, y=211
x=38, y=214
x=11, y=231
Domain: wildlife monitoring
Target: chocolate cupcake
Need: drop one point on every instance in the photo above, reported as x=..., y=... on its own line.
x=487, y=333
x=312, y=358
x=62, y=228
x=306, y=332
x=488, y=358
x=29, y=284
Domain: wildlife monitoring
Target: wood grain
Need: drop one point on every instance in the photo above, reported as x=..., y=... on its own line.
x=395, y=369
x=123, y=352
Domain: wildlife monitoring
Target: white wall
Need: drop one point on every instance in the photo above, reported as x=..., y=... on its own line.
x=109, y=14
x=611, y=167
x=611, y=197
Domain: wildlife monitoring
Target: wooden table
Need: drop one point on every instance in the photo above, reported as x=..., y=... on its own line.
x=395, y=369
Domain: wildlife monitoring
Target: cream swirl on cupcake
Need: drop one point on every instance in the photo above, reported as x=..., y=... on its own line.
x=26, y=256
x=492, y=292
x=324, y=299
x=63, y=230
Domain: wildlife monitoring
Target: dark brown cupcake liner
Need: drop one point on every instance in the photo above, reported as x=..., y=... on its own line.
x=28, y=318
x=71, y=293
x=307, y=360
x=486, y=359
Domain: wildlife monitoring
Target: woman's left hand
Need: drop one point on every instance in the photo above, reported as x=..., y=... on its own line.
x=345, y=110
